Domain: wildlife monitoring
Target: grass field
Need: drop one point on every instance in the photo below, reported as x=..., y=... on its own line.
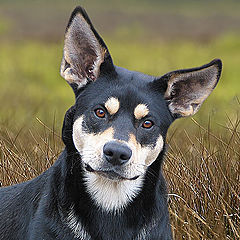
x=203, y=163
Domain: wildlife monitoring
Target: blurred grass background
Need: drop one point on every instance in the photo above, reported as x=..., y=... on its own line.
x=153, y=37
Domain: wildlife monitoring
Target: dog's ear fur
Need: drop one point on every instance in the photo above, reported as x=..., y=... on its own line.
x=186, y=90
x=85, y=55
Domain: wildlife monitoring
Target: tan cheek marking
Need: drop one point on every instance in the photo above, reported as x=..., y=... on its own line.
x=94, y=147
x=78, y=133
x=84, y=140
x=141, y=111
x=107, y=134
x=136, y=148
x=133, y=140
x=153, y=152
x=112, y=105
x=90, y=145
x=98, y=140
x=145, y=155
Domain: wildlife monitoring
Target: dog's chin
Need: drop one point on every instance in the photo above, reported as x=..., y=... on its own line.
x=109, y=174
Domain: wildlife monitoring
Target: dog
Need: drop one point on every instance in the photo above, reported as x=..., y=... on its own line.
x=107, y=183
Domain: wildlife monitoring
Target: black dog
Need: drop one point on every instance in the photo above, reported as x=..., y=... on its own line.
x=107, y=184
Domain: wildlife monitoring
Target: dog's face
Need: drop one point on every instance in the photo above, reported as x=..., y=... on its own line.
x=122, y=117
x=119, y=130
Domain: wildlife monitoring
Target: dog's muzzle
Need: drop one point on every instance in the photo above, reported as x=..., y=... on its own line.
x=116, y=155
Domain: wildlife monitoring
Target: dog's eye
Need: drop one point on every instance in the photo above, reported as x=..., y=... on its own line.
x=100, y=113
x=147, y=124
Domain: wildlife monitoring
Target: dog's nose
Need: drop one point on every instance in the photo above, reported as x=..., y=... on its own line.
x=117, y=153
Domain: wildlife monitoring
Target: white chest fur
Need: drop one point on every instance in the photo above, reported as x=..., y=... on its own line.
x=112, y=195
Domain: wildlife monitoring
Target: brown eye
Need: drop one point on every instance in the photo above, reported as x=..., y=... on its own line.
x=147, y=124
x=100, y=113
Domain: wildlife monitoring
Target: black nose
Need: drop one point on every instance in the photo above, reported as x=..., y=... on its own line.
x=117, y=153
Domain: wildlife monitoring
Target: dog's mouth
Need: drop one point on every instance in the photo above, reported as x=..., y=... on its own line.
x=110, y=174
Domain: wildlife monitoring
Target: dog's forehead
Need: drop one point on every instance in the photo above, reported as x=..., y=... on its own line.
x=129, y=99
x=129, y=91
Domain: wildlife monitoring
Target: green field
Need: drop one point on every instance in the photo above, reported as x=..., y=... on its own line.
x=203, y=165
x=31, y=85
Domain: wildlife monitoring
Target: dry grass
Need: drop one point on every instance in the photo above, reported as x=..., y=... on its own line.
x=27, y=154
x=202, y=169
x=203, y=173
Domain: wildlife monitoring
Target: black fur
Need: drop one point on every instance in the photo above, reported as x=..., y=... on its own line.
x=37, y=209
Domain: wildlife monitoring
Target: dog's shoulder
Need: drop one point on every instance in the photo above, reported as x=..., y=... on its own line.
x=18, y=205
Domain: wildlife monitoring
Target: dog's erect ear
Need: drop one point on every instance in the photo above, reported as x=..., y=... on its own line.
x=85, y=55
x=186, y=90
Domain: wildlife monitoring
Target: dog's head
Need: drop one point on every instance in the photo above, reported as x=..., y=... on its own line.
x=121, y=117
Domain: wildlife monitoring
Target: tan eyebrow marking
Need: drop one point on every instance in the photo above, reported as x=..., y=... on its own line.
x=141, y=111
x=112, y=105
